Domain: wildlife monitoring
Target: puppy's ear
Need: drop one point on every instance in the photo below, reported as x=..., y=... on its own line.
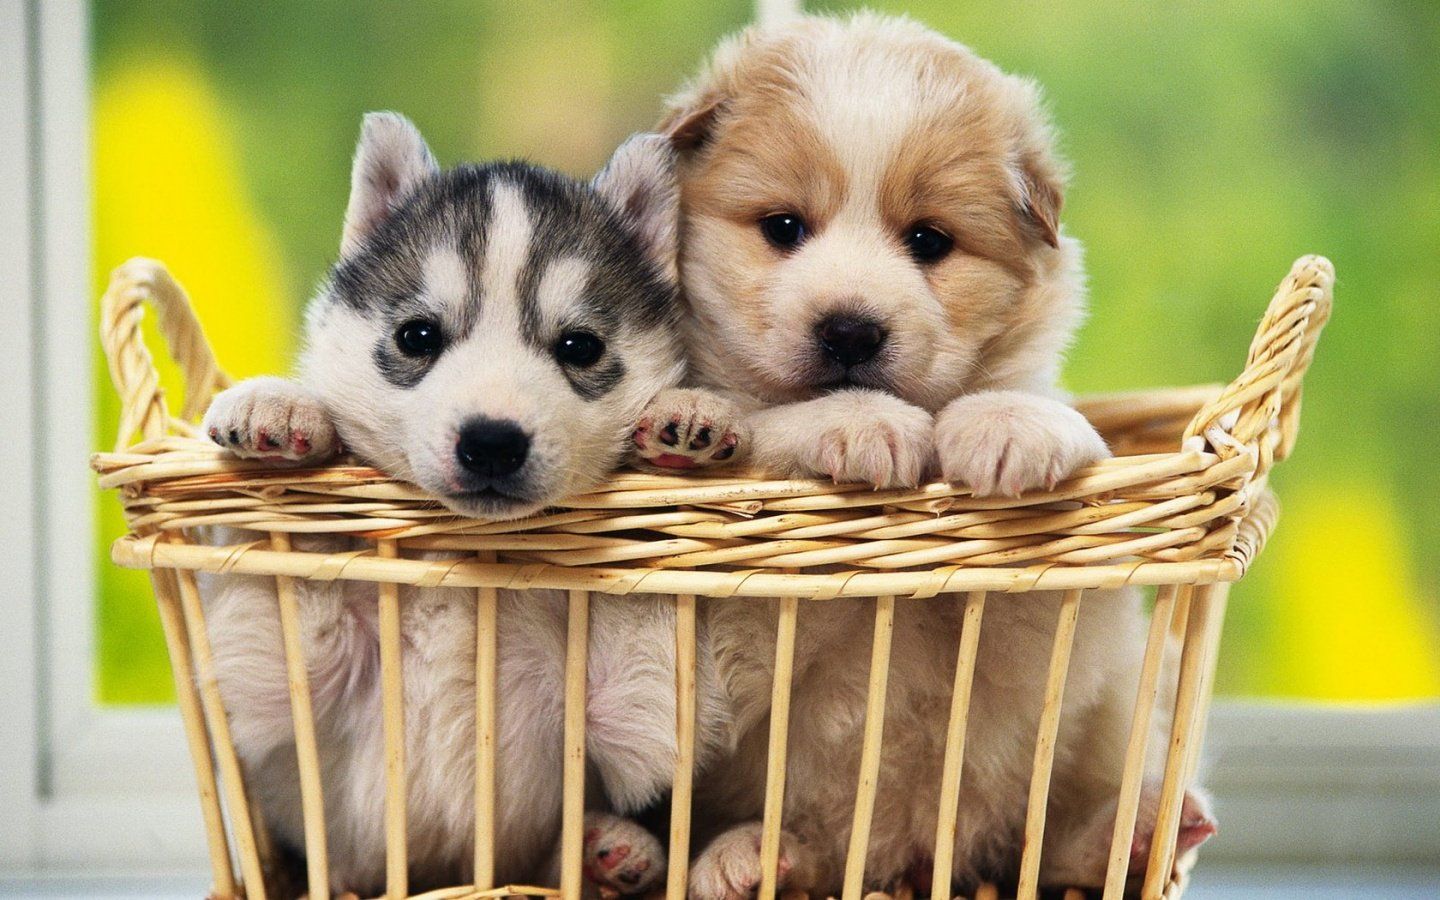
x=639, y=181
x=1041, y=197
x=691, y=118
x=390, y=160
x=689, y=123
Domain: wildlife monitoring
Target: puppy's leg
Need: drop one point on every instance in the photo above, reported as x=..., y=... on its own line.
x=249, y=657
x=686, y=428
x=729, y=867
x=1079, y=856
x=850, y=436
x=242, y=617
x=1009, y=442
x=271, y=418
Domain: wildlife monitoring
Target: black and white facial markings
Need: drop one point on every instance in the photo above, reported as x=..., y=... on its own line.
x=491, y=331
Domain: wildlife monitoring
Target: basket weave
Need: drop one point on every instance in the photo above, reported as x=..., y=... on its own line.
x=1182, y=505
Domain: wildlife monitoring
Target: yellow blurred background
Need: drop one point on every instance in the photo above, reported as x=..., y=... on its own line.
x=1211, y=144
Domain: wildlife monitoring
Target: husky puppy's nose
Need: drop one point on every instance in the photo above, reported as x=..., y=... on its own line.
x=849, y=340
x=492, y=448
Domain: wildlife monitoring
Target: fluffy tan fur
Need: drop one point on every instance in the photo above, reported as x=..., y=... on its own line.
x=865, y=128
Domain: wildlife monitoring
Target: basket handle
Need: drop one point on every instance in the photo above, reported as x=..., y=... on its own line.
x=132, y=368
x=1260, y=409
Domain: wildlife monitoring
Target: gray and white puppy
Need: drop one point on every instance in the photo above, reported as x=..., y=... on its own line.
x=490, y=333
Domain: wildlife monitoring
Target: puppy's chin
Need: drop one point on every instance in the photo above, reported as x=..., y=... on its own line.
x=491, y=503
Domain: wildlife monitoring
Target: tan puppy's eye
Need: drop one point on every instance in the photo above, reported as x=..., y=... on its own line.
x=784, y=230
x=928, y=244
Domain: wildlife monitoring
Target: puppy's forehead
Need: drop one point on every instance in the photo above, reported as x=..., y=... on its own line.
x=516, y=247
x=510, y=234
x=825, y=112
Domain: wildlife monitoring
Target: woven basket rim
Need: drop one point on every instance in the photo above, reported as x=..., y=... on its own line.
x=1183, y=502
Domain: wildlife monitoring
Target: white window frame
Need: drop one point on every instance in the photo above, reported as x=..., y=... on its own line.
x=83, y=787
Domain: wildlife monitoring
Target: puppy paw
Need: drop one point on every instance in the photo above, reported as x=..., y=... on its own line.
x=1008, y=442
x=729, y=868
x=270, y=418
x=1197, y=825
x=879, y=440
x=621, y=858
x=685, y=428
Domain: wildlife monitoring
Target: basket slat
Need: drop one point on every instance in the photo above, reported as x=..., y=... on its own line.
x=307, y=750
x=955, y=738
x=572, y=824
x=392, y=701
x=869, y=779
x=1045, y=746
x=230, y=770
x=681, y=790
x=177, y=641
x=789, y=611
x=1133, y=776
x=487, y=625
x=1194, y=662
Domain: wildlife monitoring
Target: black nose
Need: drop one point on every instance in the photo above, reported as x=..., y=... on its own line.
x=492, y=448
x=849, y=340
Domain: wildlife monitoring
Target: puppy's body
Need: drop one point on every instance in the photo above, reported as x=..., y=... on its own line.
x=491, y=334
x=876, y=279
x=827, y=721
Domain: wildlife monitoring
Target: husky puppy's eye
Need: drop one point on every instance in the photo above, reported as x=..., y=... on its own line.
x=927, y=244
x=419, y=337
x=579, y=348
x=784, y=230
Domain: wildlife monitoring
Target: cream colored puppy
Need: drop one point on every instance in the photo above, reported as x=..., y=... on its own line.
x=878, y=287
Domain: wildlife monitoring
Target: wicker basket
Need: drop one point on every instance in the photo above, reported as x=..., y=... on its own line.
x=1182, y=506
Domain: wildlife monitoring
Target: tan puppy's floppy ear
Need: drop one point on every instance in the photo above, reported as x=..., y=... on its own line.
x=688, y=124
x=390, y=160
x=1041, y=196
x=640, y=182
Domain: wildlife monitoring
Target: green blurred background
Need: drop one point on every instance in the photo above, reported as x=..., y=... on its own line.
x=1212, y=144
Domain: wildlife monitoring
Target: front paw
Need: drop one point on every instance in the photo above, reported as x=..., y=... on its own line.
x=1197, y=825
x=879, y=440
x=1008, y=442
x=729, y=869
x=621, y=858
x=270, y=418
x=686, y=428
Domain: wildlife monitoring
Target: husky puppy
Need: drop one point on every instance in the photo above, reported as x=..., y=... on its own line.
x=490, y=333
x=878, y=288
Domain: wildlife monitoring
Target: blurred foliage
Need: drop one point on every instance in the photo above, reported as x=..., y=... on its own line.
x=1211, y=143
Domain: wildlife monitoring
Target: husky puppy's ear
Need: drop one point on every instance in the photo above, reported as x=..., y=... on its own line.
x=640, y=182
x=390, y=160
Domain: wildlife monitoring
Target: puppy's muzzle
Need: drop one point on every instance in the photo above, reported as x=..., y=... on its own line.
x=850, y=340
x=491, y=449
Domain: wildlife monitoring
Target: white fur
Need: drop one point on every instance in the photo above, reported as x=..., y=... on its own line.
x=446, y=278
x=410, y=432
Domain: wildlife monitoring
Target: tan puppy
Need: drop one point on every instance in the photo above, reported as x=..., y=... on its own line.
x=878, y=287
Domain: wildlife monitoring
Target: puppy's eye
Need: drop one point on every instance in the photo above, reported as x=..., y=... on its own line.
x=579, y=348
x=784, y=230
x=419, y=337
x=927, y=244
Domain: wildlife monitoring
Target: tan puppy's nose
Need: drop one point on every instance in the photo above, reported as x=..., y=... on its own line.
x=849, y=340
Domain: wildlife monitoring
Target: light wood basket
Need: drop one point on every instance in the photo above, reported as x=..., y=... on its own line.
x=1181, y=506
